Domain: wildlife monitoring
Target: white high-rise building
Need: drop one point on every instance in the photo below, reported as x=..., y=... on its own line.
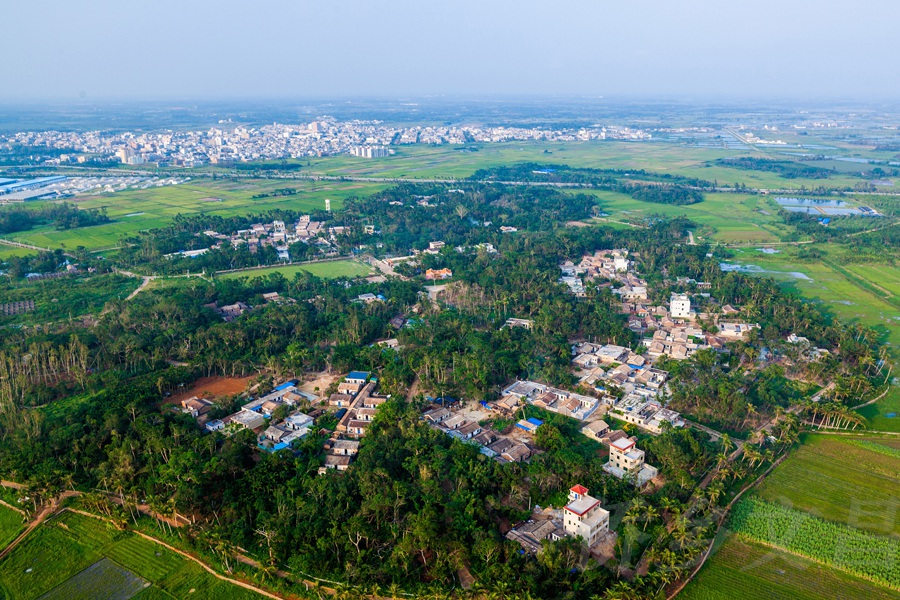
x=680, y=306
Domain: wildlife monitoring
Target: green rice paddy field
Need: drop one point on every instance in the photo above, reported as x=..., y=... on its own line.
x=830, y=289
x=448, y=162
x=70, y=543
x=836, y=480
x=744, y=569
x=884, y=415
x=830, y=477
x=10, y=251
x=732, y=218
x=11, y=525
x=326, y=270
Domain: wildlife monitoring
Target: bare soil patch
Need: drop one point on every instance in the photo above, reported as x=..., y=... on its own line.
x=212, y=387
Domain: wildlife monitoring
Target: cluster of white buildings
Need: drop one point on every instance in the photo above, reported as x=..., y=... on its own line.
x=357, y=405
x=324, y=136
x=258, y=415
x=611, y=265
x=554, y=399
x=277, y=234
x=502, y=448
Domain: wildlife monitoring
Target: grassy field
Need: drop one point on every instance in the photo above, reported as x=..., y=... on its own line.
x=327, y=270
x=67, y=545
x=10, y=525
x=886, y=277
x=136, y=210
x=751, y=571
x=879, y=414
x=834, y=292
x=731, y=218
x=10, y=251
x=841, y=482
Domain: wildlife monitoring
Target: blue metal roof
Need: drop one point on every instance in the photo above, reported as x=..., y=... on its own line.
x=285, y=385
x=534, y=421
x=357, y=375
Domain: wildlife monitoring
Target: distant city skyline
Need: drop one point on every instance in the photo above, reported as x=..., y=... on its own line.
x=98, y=49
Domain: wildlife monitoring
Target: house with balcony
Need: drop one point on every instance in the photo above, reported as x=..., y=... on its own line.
x=584, y=517
x=626, y=460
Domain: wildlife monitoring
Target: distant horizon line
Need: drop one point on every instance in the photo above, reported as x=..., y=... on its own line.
x=499, y=98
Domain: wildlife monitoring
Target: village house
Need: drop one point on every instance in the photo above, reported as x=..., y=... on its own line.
x=626, y=460
x=340, y=400
x=523, y=323
x=357, y=377
x=438, y=274
x=349, y=388
x=230, y=312
x=437, y=415
x=584, y=517
x=246, y=419
x=531, y=533
x=517, y=452
x=338, y=462
x=345, y=447
x=595, y=430
x=553, y=399
x=736, y=331
x=196, y=407
x=646, y=414
x=611, y=436
x=680, y=306
x=505, y=405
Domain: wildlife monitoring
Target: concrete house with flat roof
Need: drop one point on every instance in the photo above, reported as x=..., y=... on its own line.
x=583, y=516
x=626, y=460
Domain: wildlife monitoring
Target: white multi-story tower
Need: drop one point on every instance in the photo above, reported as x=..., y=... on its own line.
x=680, y=306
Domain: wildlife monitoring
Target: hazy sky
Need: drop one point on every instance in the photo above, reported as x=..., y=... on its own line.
x=175, y=49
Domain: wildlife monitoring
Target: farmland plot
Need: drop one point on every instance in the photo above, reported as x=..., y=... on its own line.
x=103, y=579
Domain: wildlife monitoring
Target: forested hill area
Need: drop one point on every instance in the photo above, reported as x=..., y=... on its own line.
x=88, y=409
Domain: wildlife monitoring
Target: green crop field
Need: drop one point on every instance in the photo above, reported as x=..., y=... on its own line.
x=70, y=543
x=136, y=210
x=884, y=415
x=10, y=251
x=751, y=571
x=733, y=218
x=823, y=284
x=10, y=525
x=327, y=270
x=103, y=579
x=886, y=277
x=448, y=161
x=839, y=481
